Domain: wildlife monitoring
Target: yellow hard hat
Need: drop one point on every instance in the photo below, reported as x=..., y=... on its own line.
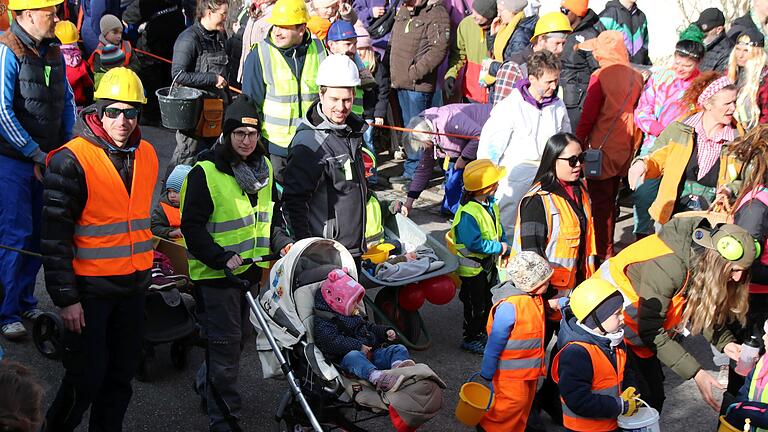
x=289, y=12
x=16, y=5
x=553, y=22
x=66, y=32
x=590, y=294
x=482, y=173
x=121, y=84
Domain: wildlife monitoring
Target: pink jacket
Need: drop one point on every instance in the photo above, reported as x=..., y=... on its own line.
x=659, y=104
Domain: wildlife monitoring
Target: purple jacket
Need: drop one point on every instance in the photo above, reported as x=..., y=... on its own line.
x=363, y=9
x=460, y=119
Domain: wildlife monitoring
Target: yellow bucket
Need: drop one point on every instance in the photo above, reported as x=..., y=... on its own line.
x=379, y=253
x=474, y=400
x=725, y=426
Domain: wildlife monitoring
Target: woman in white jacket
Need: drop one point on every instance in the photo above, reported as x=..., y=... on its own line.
x=517, y=131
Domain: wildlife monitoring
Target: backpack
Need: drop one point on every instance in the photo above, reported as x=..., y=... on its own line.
x=382, y=25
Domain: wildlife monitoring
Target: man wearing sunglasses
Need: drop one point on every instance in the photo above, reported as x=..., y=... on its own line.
x=97, y=248
x=37, y=112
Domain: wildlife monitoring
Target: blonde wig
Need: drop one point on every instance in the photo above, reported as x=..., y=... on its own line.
x=747, y=111
x=752, y=151
x=713, y=299
x=368, y=56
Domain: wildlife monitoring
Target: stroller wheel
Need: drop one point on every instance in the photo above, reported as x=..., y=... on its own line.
x=406, y=322
x=46, y=335
x=179, y=354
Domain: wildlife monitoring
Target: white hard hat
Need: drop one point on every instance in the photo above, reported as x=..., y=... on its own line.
x=338, y=70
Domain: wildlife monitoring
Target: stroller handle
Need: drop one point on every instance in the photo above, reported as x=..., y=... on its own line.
x=244, y=284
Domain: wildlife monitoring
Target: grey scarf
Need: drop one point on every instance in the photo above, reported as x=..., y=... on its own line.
x=252, y=175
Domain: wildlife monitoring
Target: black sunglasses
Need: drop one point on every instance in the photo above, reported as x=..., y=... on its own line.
x=565, y=11
x=129, y=113
x=574, y=159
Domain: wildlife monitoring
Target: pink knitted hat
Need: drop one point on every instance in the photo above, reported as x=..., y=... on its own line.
x=341, y=292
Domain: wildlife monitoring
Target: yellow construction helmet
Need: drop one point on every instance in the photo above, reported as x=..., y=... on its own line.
x=121, y=84
x=553, y=22
x=590, y=294
x=16, y=5
x=66, y=32
x=289, y=12
x=482, y=173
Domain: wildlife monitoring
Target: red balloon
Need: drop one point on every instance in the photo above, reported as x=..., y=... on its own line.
x=411, y=297
x=439, y=290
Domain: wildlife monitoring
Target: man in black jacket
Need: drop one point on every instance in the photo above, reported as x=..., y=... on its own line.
x=325, y=188
x=578, y=65
x=712, y=22
x=97, y=250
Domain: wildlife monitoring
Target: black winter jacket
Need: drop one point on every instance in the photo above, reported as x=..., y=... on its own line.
x=521, y=37
x=165, y=22
x=199, y=58
x=717, y=55
x=197, y=209
x=325, y=188
x=64, y=197
x=376, y=101
x=578, y=65
x=740, y=25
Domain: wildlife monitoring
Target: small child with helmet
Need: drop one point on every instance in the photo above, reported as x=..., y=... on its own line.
x=515, y=352
x=480, y=240
x=595, y=386
x=344, y=335
x=78, y=73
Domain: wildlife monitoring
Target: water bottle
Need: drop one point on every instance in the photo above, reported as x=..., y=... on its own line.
x=749, y=352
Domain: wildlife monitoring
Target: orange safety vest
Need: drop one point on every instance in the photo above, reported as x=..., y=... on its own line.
x=112, y=235
x=615, y=271
x=564, y=237
x=523, y=356
x=172, y=213
x=606, y=380
x=125, y=46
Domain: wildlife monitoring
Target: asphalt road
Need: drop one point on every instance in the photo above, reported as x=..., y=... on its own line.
x=167, y=403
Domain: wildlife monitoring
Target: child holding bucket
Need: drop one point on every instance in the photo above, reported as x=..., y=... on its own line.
x=589, y=368
x=514, y=354
x=479, y=239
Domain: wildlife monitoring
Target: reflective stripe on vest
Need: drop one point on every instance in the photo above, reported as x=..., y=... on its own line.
x=286, y=101
x=357, y=105
x=606, y=381
x=523, y=355
x=374, y=230
x=235, y=224
x=172, y=214
x=112, y=235
x=614, y=271
x=564, y=236
x=490, y=229
x=757, y=391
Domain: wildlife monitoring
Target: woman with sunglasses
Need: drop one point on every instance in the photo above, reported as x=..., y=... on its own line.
x=690, y=163
x=555, y=221
x=227, y=215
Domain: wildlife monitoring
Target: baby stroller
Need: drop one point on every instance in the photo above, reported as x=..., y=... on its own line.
x=321, y=397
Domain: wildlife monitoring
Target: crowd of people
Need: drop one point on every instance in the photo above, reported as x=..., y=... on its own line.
x=542, y=121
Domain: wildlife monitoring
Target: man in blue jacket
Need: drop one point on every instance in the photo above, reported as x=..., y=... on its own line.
x=37, y=113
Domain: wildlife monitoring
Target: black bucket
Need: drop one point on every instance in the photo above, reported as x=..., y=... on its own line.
x=180, y=108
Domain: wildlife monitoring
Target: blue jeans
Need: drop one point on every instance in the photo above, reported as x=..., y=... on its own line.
x=644, y=196
x=411, y=104
x=368, y=141
x=356, y=363
x=21, y=206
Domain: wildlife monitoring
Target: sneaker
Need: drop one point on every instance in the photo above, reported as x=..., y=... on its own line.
x=388, y=382
x=162, y=280
x=406, y=363
x=722, y=376
x=31, y=314
x=474, y=347
x=400, y=180
x=13, y=331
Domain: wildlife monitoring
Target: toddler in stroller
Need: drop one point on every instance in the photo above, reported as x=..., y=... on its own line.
x=343, y=334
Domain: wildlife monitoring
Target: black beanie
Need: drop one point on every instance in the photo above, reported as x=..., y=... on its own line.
x=486, y=8
x=604, y=310
x=242, y=112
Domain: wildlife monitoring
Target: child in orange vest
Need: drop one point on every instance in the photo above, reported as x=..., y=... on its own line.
x=112, y=50
x=590, y=367
x=166, y=219
x=514, y=353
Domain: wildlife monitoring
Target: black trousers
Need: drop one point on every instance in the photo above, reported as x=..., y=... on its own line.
x=475, y=294
x=100, y=363
x=649, y=377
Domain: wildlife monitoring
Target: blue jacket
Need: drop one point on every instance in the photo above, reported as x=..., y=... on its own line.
x=575, y=371
x=37, y=111
x=503, y=321
x=93, y=10
x=468, y=234
x=338, y=336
